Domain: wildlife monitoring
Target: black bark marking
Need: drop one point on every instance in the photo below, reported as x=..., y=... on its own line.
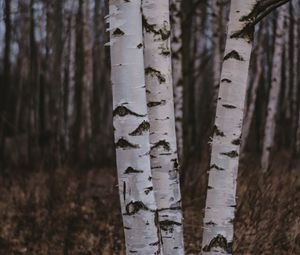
x=147, y=190
x=131, y=170
x=153, y=104
x=236, y=141
x=140, y=46
x=219, y=242
x=128, y=228
x=218, y=132
x=210, y=187
x=165, y=52
x=131, y=251
x=168, y=225
x=231, y=154
x=123, y=111
x=233, y=54
x=247, y=32
x=118, y=32
x=210, y=223
x=124, y=191
x=153, y=72
x=162, y=143
x=134, y=207
x=175, y=164
x=229, y=106
x=155, y=243
x=164, y=32
x=216, y=167
x=143, y=127
x=226, y=80
x=124, y=144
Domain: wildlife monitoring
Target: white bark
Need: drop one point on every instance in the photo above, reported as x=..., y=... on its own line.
x=176, y=46
x=274, y=92
x=221, y=193
x=132, y=128
x=164, y=161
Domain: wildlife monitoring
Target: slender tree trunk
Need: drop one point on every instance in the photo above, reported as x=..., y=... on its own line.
x=221, y=193
x=296, y=79
x=250, y=108
x=131, y=128
x=88, y=74
x=5, y=84
x=176, y=46
x=71, y=76
x=217, y=37
x=270, y=126
x=164, y=161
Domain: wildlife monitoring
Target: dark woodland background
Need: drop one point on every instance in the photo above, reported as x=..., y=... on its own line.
x=58, y=192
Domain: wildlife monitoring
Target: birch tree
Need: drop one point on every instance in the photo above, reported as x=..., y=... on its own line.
x=131, y=128
x=164, y=161
x=176, y=46
x=221, y=193
x=270, y=126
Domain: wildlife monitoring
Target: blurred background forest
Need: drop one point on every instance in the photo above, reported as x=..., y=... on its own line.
x=56, y=116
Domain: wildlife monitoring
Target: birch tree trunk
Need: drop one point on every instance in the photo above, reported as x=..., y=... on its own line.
x=221, y=192
x=270, y=126
x=131, y=128
x=164, y=161
x=176, y=46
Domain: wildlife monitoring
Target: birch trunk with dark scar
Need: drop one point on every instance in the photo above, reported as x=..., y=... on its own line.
x=221, y=193
x=131, y=128
x=250, y=108
x=270, y=126
x=164, y=161
x=176, y=46
x=216, y=25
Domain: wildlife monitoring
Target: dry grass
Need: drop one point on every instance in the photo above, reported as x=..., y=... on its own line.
x=66, y=212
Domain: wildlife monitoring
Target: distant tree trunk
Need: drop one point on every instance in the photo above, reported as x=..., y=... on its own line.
x=270, y=126
x=56, y=102
x=131, y=128
x=176, y=46
x=5, y=84
x=217, y=38
x=71, y=77
x=88, y=75
x=250, y=108
x=221, y=192
x=164, y=160
x=296, y=76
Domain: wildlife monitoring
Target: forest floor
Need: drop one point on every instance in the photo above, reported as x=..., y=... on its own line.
x=77, y=213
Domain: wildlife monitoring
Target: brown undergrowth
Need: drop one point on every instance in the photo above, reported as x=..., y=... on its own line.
x=70, y=213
